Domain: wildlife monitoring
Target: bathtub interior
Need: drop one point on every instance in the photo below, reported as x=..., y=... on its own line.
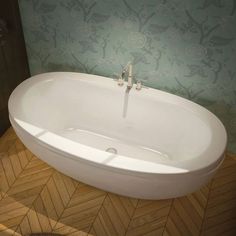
x=111, y=119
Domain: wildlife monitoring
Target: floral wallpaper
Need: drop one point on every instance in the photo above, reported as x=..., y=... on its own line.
x=185, y=47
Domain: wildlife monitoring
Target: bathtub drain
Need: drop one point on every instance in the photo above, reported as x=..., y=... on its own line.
x=111, y=150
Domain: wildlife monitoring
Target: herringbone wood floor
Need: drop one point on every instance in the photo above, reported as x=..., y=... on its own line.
x=36, y=198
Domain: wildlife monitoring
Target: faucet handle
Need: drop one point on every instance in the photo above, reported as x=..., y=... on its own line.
x=120, y=80
x=123, y=74
x=139, y=85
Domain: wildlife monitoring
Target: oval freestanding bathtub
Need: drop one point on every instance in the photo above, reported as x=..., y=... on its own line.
x=146, y=144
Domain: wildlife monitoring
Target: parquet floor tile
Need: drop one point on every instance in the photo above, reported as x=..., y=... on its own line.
x=35, y=198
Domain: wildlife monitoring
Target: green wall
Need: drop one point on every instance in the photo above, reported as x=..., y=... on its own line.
x=186, y=47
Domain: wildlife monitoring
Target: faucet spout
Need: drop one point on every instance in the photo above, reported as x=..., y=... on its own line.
x=130, y=76
x=128, y=72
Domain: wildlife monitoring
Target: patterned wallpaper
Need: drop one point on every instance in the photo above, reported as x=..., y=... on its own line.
x=186, y=47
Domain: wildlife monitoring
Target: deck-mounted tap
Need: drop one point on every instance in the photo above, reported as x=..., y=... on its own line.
x=130, y=76
x=128, y=69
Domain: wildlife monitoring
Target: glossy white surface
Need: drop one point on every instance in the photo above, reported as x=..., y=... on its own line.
x=166, y=146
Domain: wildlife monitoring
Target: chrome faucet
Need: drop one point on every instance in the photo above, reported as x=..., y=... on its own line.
x=128, y=69
x=127, y=72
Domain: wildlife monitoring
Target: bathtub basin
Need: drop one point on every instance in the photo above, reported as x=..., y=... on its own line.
x=145, y=144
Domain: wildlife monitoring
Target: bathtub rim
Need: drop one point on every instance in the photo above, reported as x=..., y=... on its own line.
x=189, y=164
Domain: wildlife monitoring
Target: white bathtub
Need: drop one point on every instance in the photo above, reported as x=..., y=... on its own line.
x=166, y=146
